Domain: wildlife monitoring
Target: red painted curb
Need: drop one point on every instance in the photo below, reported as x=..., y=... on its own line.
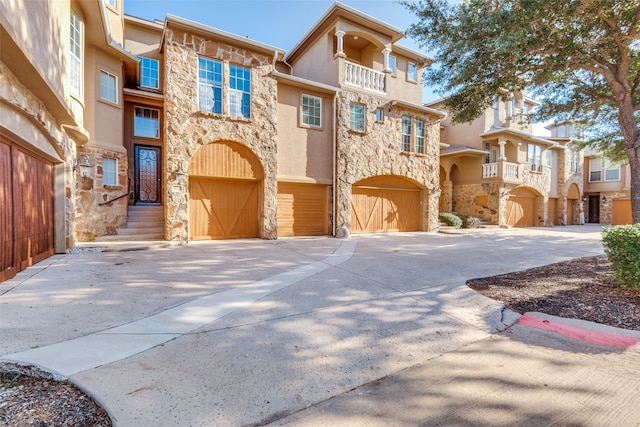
x=593, y=337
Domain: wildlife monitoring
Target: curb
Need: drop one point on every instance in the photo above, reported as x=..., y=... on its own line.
x=581, y=330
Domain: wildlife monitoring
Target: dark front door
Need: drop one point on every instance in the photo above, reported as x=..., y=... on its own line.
x=147, y=174
x=594, y=209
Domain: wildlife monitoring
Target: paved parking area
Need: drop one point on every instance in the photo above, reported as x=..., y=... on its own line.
x=248, y=332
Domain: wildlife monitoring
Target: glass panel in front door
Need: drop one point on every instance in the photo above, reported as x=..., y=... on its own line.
x=147, y=176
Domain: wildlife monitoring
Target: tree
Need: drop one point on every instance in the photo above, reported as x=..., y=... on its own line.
x=581, y=58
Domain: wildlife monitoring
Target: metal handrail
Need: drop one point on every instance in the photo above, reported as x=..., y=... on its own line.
x=113, y=200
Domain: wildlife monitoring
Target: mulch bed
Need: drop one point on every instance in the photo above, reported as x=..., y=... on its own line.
x=582, y=288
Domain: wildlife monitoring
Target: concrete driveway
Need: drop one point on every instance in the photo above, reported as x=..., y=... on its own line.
x=374, y=330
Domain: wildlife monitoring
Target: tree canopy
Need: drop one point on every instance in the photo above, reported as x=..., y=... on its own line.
x=580, y=58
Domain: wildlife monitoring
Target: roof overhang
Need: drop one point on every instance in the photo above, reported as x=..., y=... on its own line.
x=461, y=151
x=420, y=108
x=304, y=83
x=526, y=137
x=207, y=31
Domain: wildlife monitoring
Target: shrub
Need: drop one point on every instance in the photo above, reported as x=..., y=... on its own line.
x=450, y=219
x=622, y=246
x=469, y=221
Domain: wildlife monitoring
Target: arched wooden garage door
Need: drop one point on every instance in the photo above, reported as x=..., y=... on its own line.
x=302, y=209
x=622, y=212
x=26, y=215
x=521, y=208
x=384, y=204
x=224, y=184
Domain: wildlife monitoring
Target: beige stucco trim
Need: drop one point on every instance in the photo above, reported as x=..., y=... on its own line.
x=303, y=180
x=442, y=114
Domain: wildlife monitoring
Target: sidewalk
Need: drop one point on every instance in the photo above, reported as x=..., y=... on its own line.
x=247, y=332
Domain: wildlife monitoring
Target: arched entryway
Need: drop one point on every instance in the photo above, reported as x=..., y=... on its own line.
x=573, y=207
x=521, y=208
x=384, y=204
x=224, y=192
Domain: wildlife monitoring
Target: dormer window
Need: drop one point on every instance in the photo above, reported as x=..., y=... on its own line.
x=561, y=131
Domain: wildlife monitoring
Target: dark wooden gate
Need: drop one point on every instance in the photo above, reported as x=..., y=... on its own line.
x=26, y=218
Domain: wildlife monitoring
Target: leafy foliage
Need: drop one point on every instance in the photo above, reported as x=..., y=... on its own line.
x=581, y=58
x=450, y=219
x=622, y=246
x=469, y=221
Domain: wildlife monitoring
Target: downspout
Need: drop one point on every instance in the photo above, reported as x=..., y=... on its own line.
x=335, y=175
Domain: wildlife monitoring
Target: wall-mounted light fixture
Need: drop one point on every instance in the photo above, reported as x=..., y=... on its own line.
x=584, y=199
x=83, y=164
x=604, y=199
x=180, y=174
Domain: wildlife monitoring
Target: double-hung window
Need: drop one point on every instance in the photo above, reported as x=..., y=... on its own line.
x=419, y=142
x=575, y=161
x=311, y=111
x=108, y=87
x=210, y=85
x=109, y=171
x=492, y=153
x=406, y=133
x=393, y=65
x=239, y=91
x=412, y=72
x=149, y=72
x=603, y=168
x=75, y=56
x=534, y=156
x=146, y=123
x=356, y=117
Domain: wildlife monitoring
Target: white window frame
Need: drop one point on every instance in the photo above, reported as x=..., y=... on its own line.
x=311, y=111
x=412, y=72
x=76, y=51
x=112, y=4
x=357, y=117
x=108, y=89
x=562, y=131
x=109, y=171
x=420, y=132
x=534, y=156
x=406, y=133
x=240, y=95
x=208, y=87
x=575, y=161
x=156, y=119
x=393, y=65
x=604, y=169
x=492, y=153
x=147, y=70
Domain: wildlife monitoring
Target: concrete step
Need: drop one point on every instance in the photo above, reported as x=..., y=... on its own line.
x=130, y=238
x=130, y=231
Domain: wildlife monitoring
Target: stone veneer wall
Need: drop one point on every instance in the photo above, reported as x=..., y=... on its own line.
x=26, y=103
x=93, y=220
x=187, y=129
x=377, y=152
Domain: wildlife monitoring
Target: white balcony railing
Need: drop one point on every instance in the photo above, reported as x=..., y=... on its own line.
x=363, y=77
x=490, y=170
x=509, y=171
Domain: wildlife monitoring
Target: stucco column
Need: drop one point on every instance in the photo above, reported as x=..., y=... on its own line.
x=386, y=51
x=340, y=45
x=502, y=143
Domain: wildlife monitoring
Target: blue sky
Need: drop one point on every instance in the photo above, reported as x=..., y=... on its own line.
x=279, y=23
